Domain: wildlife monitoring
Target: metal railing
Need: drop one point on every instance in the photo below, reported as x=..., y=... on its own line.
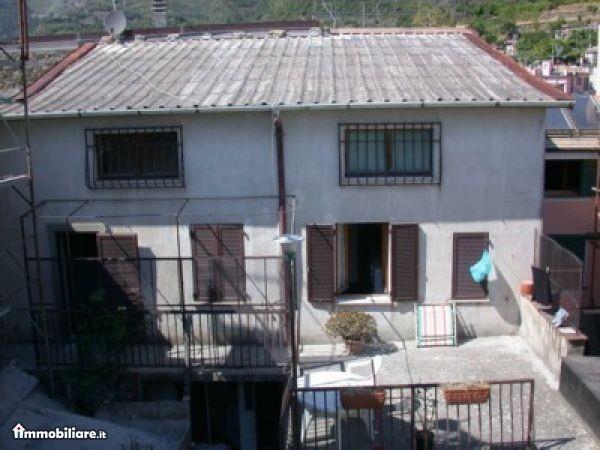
x=414, y=416
x=168, y=323
x=235, y=337
x=565, y=271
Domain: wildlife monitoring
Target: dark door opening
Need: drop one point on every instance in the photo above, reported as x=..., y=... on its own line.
x=80, y=275
x=241, y=415
x=214, y=413
x=268, y=404
x=365, y=258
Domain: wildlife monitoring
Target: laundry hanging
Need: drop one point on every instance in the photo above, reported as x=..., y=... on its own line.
x=482, y=268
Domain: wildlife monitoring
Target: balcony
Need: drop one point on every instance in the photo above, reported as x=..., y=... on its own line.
x=163, y=320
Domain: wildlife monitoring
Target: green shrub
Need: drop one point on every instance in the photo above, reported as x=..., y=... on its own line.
x=352, y=325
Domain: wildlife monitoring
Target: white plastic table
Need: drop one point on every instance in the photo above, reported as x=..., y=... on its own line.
x=326, y=402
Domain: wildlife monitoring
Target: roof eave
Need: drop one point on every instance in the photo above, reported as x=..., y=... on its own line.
x=295, y=107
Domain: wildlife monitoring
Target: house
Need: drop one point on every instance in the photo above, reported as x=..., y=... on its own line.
x=571, y=79
x=167, y=166
x=572, y=146
x=571, y=173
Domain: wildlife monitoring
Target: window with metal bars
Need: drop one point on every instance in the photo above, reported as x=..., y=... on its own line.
x=134, y=157
x=389, y=153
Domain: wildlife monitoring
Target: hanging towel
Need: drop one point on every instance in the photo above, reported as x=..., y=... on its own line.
x=482, y=268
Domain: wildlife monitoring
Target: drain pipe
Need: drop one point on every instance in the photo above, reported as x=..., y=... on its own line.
x=281, y=213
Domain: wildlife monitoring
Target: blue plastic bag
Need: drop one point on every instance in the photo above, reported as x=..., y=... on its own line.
x=482, y=268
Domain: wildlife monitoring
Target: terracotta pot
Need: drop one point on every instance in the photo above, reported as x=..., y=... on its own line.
x=425, y=440
x=526, y=288
x=354, y=347
x=464, y=394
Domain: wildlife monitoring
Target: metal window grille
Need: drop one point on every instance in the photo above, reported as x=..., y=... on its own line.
x=379, y=154
x=134, y=157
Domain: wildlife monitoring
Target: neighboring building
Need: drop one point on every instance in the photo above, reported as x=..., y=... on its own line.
x=591, y=56
x=572, y=150
x=401, y=157
x=570, y=79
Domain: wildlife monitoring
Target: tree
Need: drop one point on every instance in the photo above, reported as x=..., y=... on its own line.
x=432, y=16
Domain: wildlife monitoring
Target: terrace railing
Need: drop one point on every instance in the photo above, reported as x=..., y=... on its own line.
x=173, y=319
x=565, y=271
x=236, y=337
x=414, y=416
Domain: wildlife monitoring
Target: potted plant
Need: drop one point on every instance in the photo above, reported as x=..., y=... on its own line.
x=425, y=408
x=354, y=327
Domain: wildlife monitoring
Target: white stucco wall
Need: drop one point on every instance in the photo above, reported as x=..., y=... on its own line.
x=492, y=176
x=492, y=180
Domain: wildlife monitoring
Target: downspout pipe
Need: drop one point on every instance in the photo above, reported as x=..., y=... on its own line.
x=281, y=212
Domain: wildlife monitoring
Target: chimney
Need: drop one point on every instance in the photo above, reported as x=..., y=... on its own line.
x=159, y=13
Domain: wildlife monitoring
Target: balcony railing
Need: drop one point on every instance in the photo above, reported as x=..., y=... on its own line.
x=415, y=416
x=167, y=323
x=565, y=272
x=212, y=337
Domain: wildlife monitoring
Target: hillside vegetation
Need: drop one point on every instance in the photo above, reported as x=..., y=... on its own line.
x=495, y=20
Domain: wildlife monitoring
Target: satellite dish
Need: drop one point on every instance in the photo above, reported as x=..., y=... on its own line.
x=115, y=22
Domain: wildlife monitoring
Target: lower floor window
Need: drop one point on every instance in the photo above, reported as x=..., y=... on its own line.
x=570, y=178
x=363, y=258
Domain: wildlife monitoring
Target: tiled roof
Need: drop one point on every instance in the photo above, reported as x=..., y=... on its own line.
x=344, y=69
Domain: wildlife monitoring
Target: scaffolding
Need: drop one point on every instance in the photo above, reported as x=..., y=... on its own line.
x=27, y=175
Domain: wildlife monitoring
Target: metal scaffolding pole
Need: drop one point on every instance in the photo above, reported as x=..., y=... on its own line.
x=24, y=41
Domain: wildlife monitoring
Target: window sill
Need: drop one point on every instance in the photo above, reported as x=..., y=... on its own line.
x=363, y=299
x=568, y=197
x=136, y=184
x=471, y=301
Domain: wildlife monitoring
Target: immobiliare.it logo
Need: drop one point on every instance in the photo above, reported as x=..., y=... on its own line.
x=20, y=432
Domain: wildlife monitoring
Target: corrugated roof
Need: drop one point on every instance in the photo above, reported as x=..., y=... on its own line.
x=252, y=72
x=584, y=115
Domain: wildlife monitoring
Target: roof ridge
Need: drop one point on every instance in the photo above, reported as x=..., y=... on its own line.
x=535, y=82
x=400, y=30
x=53, y=72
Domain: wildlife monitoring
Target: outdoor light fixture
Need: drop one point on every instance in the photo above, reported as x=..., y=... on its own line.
x=289, y=242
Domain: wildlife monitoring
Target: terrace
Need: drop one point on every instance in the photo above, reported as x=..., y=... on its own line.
x=411, y=378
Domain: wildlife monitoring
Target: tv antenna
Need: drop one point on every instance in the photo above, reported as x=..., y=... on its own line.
x=115, y=22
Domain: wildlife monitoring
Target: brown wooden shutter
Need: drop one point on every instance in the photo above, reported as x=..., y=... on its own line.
x=231, y=268
x=205, y=251
x=468, y=248
x=218, y=253
x=405, y=262
x=120, y=275
x=321, y=262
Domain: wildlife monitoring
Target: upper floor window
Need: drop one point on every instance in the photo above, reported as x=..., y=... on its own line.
x=390, y=153
x=134, y=157
x=570, y=177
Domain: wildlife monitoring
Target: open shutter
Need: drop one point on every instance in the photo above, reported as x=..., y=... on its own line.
x=205, y=251
x=120, y=275
x=231, y=263
x=321, y=262
x=468, y=248
x=405, y=262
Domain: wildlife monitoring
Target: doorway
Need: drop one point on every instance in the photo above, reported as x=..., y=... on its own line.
x=241, y=415
x=77, y=255
x=366, y=258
